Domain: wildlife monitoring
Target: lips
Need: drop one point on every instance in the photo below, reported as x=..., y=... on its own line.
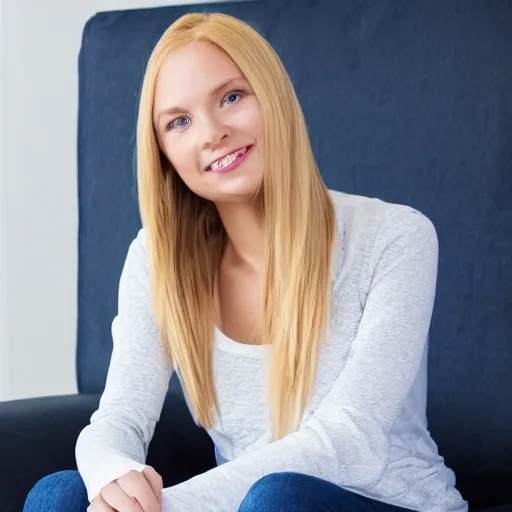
x=230, y=156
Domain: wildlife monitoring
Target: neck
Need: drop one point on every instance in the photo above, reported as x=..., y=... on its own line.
x=244, y=226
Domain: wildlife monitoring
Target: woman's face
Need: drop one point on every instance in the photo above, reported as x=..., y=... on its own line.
x=209, y=123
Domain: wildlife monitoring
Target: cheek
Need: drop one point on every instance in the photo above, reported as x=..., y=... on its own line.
x=181, y=158
x=250, y=119
x=257, y=119
x=256, y=124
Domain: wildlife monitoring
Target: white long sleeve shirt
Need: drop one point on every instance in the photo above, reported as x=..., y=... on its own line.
x=365, y=428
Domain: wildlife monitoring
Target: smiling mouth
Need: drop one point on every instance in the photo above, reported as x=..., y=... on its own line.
x=228, y=159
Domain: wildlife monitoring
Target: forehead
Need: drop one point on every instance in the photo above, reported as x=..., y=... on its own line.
x=191, y=71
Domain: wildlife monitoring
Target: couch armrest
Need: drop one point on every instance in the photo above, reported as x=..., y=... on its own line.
x=499, y=508
x=37, y=437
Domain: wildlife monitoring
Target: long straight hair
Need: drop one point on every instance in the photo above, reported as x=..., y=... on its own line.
x=186, y=238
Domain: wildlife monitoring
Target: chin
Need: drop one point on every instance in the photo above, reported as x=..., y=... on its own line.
x=234, y=197
x=238, y=190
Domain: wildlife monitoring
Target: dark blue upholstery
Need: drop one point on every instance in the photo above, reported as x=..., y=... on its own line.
x=407, y=101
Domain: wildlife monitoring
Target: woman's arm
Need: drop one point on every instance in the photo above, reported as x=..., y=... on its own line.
x=117, y=439
x=346, y=441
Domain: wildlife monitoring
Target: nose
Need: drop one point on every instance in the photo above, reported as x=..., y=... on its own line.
x=212, y=133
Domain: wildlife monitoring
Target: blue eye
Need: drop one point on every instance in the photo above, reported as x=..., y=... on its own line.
x=177, y=123
x=232, y=97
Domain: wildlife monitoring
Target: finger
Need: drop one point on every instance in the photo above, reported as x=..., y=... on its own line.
x=99, y=505
x=155, y=481
x=115, y=496
x=135, y=484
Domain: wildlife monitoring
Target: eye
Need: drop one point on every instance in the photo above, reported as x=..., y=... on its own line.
x=179, y=122
x=233, y=97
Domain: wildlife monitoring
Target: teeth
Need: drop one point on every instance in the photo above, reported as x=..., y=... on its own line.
x=219, y=164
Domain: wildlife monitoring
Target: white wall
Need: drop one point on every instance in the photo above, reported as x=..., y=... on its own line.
x=3, y=254
x=38, y=196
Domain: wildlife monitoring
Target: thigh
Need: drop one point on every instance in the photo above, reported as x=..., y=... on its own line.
x=282, y=492
x=59, y=492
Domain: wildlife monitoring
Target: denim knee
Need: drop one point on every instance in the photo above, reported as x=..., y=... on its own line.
x=59, y=492
x=300, y=492
x=270, y=491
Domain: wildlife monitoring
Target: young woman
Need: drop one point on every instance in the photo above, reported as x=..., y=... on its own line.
x=295, y=317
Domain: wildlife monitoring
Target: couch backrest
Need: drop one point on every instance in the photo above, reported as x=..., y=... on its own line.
x=407, y=101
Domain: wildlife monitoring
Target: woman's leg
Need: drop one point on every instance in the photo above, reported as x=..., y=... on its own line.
x=59, y=492
x=280, y=492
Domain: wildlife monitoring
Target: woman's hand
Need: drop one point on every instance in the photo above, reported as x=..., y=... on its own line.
x=133, y=492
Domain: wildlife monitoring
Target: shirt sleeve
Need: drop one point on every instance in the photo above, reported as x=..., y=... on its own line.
x=117, y=438
x=346, y=440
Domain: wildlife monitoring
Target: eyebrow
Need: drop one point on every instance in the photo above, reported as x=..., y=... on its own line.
x=180, y=110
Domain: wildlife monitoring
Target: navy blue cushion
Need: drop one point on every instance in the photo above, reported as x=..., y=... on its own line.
x=407, y=101
x=38, y=437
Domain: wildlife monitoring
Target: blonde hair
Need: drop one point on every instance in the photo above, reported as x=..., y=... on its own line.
x=185, y=255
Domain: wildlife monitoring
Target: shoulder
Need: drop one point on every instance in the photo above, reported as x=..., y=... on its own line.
x=367, y=226
x=139, y=244
x=359, y=212
x=137, y=260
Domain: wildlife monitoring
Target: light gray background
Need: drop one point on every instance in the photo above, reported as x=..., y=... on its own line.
x=39, y=44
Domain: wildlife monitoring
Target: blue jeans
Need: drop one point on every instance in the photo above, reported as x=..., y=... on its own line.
x=277, y=492
x=59, y=492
